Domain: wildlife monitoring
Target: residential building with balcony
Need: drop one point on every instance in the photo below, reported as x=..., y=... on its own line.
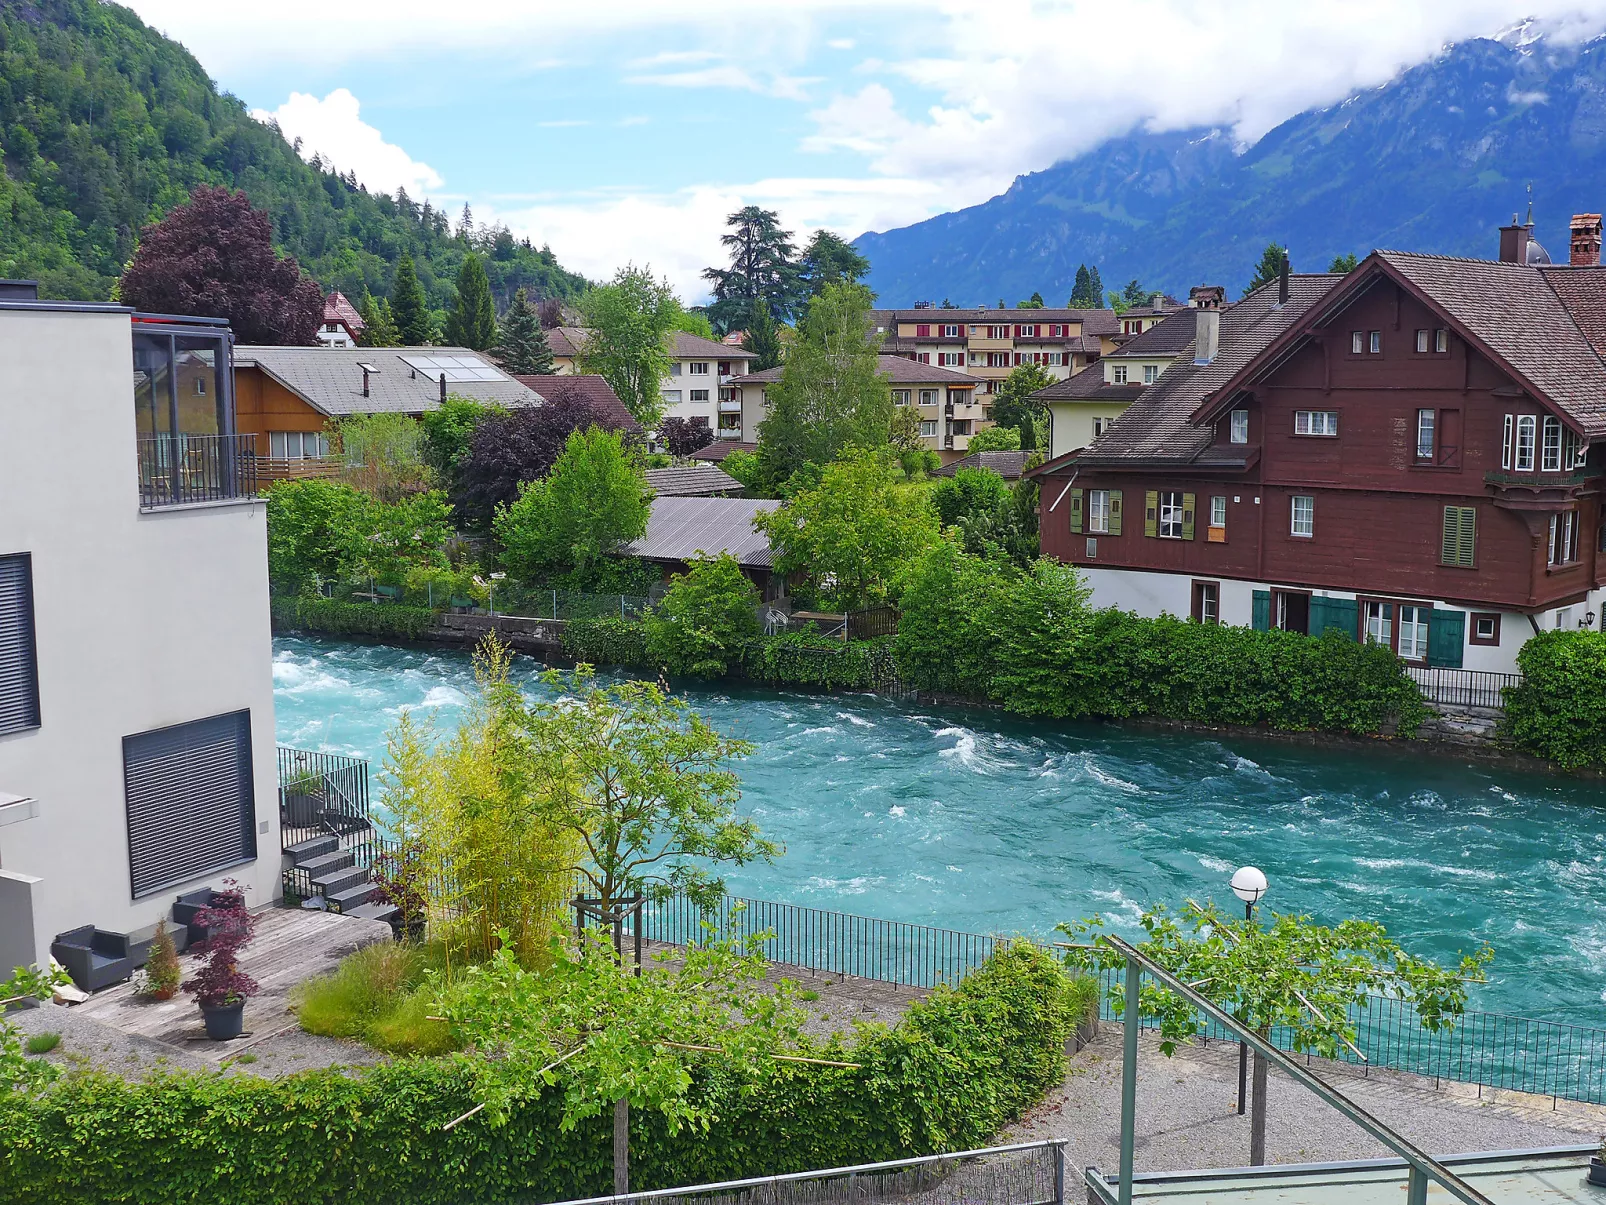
x=1411, y=454
x=136, y=689
x=287, y=396
x=950, y=412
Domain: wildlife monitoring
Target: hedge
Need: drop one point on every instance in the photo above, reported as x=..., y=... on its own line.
x=332, y=617
x=1558, y=710
x=606, y=642
x=959, y=1065
x=807, y=659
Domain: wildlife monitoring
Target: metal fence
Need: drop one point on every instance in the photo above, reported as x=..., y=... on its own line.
x=1462, y=687
x=872, y=622
x=1023, y=1174
x=522, y=602
x=177, y=470
x=320, y=795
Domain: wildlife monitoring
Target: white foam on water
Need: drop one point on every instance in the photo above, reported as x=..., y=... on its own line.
x=1215, y=864
x=1462, y=872
x=443, y=696
x=895, y=810
x=1110, y=780
x=955, y=870
x=858, y=721
x=831, y=728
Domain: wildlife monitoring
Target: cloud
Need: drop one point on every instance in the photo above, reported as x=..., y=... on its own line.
x=786, y=87
x=333, y=129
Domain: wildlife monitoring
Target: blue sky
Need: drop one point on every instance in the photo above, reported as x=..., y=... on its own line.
x=627, y=130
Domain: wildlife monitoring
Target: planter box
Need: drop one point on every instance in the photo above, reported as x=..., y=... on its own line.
x=303, y=809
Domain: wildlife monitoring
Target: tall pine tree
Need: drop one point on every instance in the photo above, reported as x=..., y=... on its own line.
x=407, y=305
x=379, y=324
x=762, y=338
x=472, y=321
x=1270, y=267
x=521, y=348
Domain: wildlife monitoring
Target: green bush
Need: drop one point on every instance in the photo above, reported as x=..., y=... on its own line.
x=374, y=996
x=960, y=1065
x=1559, y=709
x=706, y=618
x=807, y=659
x=606, y=642
x=332, y=617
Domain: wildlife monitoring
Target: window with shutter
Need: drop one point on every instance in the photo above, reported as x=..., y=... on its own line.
x=1076, y=510
x=1459, y=545
x=19, y=667
x=1115, y=512
x=1187, y=516
x=191, y=803
x=1151, y=513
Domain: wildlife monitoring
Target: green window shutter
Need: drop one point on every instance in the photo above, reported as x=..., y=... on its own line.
x=1076, y=510
x=1115, y=512
x=1469, y=536
x=1459, y=545
x=1187, y=516
x=1151, y=513
x=1340, y=613
x=1446, y=636
x=1260, y=611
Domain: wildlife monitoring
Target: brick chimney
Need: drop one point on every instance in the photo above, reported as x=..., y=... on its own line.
x=1585, y=252
x=1514, y=240
x=1206, y=301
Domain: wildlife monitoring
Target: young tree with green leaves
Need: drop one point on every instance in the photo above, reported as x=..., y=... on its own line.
x=829, y=259
x=628, y=323
x=763, y=270
x=695, y=322
x=379, y=324
x=594, y=501
x=1015, y=406
x=707, y=618
x=382, y=454
x=308, y=522
x=521, y=345
x=969, y=491
x=995, y=439
x=1298, y=976
x=763, y=338
x=1272, y=262
x=449, y=431
x=1134, y=295
x=471, y=321
x=832, y=393
x=408, y=306
x=1034, y=302
x=854, y=533
x=1344, y=263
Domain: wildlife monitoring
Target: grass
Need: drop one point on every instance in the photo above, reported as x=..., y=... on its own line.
x=808, y=994
x=378, y=996
x=43, y=1043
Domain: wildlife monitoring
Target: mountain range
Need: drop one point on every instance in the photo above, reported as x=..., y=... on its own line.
x=1433, y=161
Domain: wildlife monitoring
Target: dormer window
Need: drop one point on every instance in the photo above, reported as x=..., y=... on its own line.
x=1118, y=374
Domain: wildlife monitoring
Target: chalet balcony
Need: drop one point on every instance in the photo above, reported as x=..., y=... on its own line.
x=184, y=470
x=979, y=344
x=1523, y=491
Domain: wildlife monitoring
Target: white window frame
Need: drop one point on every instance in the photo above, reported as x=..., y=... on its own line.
x=952, y=359
x=1100, y=426
x=1377, y=628
x=1118, y=374
x=698, y=368
x=1150, y=373
x=1098, y=512
x=1323, y=423
x=1508, y=442
x=698, y=395
x=1218, y=511
x=1527, y=434
x=1374, y=342
x=1441, y=340
x=674, y=368
x=1357, y=342
x=1563, y=547
x=1413, y=631
x=1297, y=520
x=1238, y=427
x=670, y=396
x=1422, y=340
x=928, y=397
x=1170, y=515
x=1550, y=445
x=928, y=428
x=1426, y=433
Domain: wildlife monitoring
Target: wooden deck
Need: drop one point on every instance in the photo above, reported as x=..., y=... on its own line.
x=291, y=945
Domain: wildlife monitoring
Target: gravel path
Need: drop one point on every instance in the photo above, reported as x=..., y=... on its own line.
x=1187, y=1113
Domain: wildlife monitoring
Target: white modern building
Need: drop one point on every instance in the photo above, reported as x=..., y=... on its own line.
x=136, y=693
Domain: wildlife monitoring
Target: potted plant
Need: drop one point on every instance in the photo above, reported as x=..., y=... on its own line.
x=304, y=797
x=160, y=978
x=220, y=987
x=1597, y=1166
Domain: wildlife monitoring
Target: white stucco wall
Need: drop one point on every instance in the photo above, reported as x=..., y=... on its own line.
x=142, y=621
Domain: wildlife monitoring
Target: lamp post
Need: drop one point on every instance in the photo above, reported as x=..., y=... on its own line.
x=1248, y=884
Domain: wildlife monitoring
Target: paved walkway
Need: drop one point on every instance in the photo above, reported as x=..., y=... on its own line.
x=1187, y=1113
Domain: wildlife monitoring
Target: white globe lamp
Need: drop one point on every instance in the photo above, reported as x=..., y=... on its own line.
x=1249, y=884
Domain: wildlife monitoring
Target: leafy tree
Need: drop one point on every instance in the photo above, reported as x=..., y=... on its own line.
x=1035, y=302
x=995, y=439
x=308, y=525
x=969, y=491
x=991, y=518
x=630, y=321
x=831, y=393
x=508, y=448
x=706, y=619
x=18, y=1072
x=853, y=534
x=1134, y=295
x=906, y=442
x=1015, y=406
x=1272, y=261
x=383, y=454
x=594, y=501
x=763, y=338
x=407, y=305
x=1299, y=976
x=214, y=257
x=763, y=270
x=683, y=437
x=830, y=259
x=449, y=431
x=744, y=467
x=472, y=320
x=694, y=322
x=379, y=324
x=394, y=539
x=1087, y=293
x=521, y=346
x=1344, y=263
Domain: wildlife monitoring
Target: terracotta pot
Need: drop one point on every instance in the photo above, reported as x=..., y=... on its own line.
x=224, y=1021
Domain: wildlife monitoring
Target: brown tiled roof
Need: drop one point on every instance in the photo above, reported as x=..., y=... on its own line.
x=588, y=388
x=1008, y=465
x=1158, y=426
x=337, y=309
x=566, y=340
x=1583, y=291
x=901, y=370
x=1166, y=337
x=1088, y=385
x=717, y=451
x=689, y=346
x=692, y=481
x=1094, y=322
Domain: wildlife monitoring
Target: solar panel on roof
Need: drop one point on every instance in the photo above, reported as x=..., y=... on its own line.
x=454, y=368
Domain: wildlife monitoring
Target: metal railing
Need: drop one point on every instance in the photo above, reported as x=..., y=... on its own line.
x=1462, y=687
x=321, y=795
x=872, y=622
x=179, y=470
x=1029, y=1173
x=522, y=602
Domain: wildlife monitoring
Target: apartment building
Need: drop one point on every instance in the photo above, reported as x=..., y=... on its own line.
x=950, y=410
x=136, y=689
x=696, y=387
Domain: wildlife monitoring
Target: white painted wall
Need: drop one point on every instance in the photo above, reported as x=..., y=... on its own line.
x=142, y=621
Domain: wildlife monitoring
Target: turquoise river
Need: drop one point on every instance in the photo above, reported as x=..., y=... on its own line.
x=970, y=820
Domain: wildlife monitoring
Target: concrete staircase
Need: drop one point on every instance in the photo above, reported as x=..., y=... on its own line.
x=344, y=886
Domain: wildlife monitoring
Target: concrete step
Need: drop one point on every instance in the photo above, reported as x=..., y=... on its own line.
x=374, y=910
x=351, y=897
x=327, y=863
x=338, y=880
x=312, y=847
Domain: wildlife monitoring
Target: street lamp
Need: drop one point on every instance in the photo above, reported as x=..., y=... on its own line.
x=1248, y=884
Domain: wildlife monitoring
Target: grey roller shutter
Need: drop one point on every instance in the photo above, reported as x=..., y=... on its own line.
x=191, y=806
x=19, y=668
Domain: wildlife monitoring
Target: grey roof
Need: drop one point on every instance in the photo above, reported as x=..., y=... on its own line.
x=329, y=379
x=689, y=345
x=1088, y=386
x=1166, y=337
x=1157, y=426
x=692, y=481
x=680, y=528
x=1008, y=465
x=901, y=370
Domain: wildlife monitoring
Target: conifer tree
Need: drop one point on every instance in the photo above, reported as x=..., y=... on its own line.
x=407, y=304
x=472, y=321
x=1272, y=261
x=379, y=324
x=763, y=339
x=521, y=346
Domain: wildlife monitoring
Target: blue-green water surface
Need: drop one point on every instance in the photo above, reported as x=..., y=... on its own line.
x=973, y=821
